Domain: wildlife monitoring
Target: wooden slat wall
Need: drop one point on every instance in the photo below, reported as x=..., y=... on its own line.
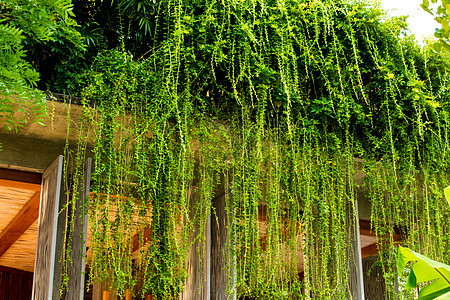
x=15, y=284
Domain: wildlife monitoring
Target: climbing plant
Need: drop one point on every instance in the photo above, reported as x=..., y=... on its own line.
x=280, y=97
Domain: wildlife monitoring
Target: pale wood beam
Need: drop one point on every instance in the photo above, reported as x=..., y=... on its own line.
x=369, y=250
x=20, y=185
x=21, y=222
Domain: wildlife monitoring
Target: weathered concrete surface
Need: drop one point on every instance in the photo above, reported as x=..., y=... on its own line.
x=34, y=146
x=61, y=118
x=30, y=154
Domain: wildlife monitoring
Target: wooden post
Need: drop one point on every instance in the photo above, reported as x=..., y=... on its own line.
x=356, y=269
x=222, y=263
x=218, y=235
x=207, y=295
x=47, y=266
x=196, y=282
x=128, y=295
x=77, y=262
x=105, y=295
x=220, y=281
x=374, y=288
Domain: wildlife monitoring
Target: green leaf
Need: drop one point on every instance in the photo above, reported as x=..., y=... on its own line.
x=434, y=289
x=437, y=47
x=445, y=45
x=425, y=270
x=425, y=5
x=412, y=280
x=445, y=25
x=447, y=194
x=446, y=296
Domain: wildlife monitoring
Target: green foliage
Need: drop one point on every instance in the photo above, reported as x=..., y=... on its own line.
x=441, y=11
x=279, y=97
x=23, y=23
x=425, y=270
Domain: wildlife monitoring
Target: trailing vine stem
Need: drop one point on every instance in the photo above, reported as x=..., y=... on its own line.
x=279, y=97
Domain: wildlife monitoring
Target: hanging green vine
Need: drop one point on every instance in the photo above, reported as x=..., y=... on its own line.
x=280, y=97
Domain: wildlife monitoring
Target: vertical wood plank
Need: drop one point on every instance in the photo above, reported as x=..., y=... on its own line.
x=355, y=259
x=195, y=281
x=374, y=285
x=97, y=291
x=77, y=264
x=208, y=259
x=105, y=295
x=45, y=262
x=220, y=281
x=59, y=245
x=128, y=295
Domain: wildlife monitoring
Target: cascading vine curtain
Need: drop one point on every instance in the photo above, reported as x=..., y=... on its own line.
x=280, y=96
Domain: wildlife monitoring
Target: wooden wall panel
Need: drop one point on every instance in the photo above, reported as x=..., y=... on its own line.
x=15, y=284
x=21, y=255
x=374, y=285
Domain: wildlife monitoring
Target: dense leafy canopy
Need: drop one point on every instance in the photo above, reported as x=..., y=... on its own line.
x=26, y=24
x=278, y=97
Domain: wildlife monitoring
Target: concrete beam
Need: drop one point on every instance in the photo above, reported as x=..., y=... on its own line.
x=62, y=118
x=28, y=153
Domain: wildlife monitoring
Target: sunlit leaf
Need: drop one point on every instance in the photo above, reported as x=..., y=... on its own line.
x=447, y=194
x=424, y=270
